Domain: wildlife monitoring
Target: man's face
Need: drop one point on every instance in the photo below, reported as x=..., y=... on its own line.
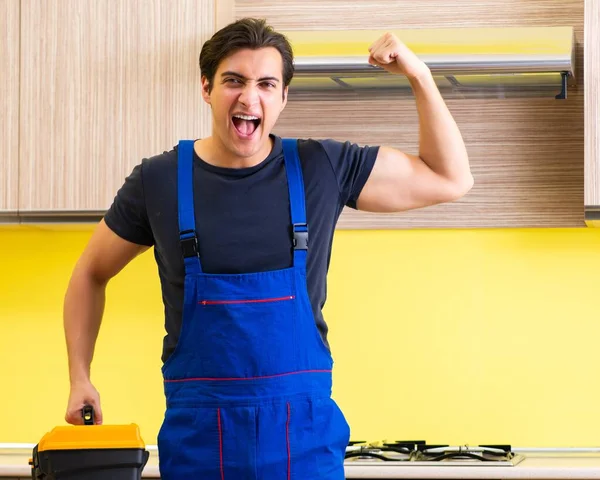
x=246, y=99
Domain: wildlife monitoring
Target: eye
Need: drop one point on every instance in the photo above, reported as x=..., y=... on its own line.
x=233, y=80
x=268, y=84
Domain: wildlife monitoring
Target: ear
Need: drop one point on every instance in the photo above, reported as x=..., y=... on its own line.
x=285, y=98
x=205, y=89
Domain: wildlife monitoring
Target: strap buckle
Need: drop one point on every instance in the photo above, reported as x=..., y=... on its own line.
x=300, y=236
x=189, y=245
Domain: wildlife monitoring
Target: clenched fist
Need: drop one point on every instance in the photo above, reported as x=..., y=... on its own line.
x=389, y=53
x=83, y=394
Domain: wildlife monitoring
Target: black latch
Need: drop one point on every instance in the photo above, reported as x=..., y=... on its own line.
x=87, y=413
x=300, y=236
x=189, y=246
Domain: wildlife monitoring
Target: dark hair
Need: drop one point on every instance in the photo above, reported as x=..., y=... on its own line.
x=252, y=33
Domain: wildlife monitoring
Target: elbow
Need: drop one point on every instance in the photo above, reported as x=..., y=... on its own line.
x=467, y=183
x=88, y=275
x=462, y=186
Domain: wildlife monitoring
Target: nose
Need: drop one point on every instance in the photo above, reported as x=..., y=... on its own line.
x=249, y=95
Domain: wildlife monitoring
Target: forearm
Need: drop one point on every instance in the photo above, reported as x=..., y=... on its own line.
x=441, y=145
x=83, y=310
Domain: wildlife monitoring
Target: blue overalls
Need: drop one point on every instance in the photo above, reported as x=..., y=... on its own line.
x=248, y=387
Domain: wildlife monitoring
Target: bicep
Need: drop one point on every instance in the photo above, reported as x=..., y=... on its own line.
x=106, y=254
x=400, y=181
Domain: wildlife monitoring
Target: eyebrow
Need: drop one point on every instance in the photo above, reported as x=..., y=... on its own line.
x=240, y=76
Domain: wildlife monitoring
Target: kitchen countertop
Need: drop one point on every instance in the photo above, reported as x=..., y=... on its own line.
x=554, y=465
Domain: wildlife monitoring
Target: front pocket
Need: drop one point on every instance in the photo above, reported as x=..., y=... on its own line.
x=242, y=301
x=190, y=444
x=244, y=337
x=319, y=435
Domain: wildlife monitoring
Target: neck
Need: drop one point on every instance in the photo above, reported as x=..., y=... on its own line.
x=213, y=151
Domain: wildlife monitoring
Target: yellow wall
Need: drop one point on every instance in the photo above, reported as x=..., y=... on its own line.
x=448, y=336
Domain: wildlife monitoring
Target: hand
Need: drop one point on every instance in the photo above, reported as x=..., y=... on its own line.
x=81, y=395
x=389, y=53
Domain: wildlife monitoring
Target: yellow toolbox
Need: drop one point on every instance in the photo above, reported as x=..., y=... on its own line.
x=90, y=452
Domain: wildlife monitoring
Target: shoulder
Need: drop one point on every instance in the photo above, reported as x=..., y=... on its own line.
x=159, y=170
x=333, y=149
x=338, y=155
x=161, y=161
x=312, y=150
x=349, y=163
x=318, y=145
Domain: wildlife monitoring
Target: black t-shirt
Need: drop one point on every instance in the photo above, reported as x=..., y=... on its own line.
x=242, y=216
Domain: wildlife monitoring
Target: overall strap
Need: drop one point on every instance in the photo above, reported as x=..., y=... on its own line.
x=185, y=206
x=293, y=171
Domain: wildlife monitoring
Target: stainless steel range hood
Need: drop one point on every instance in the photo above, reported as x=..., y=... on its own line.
x=465, y=62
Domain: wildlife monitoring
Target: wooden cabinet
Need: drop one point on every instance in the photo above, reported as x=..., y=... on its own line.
x=9, y=105
x=90, y=88
x=526, y=153
x=104, y=84
x=592, y=112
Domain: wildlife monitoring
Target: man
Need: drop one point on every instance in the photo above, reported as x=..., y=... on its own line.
x=242, y=223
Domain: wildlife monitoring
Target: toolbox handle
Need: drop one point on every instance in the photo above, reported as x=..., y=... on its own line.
x=87, y=412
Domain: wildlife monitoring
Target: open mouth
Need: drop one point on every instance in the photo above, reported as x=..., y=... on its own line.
x=245, y=125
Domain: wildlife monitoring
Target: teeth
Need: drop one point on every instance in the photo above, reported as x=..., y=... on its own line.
x=246, y=117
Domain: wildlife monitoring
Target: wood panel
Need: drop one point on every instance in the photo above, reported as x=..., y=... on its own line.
x=224, y=13
x=9, y=105
x=526, y=154
x=592, y=111
x=105, y=84
x=357, y=14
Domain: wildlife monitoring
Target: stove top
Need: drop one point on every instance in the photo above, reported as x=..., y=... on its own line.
x=418, y=453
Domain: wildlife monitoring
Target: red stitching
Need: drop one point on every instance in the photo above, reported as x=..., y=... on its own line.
x=287, y=437
x=259, y=300
x=220, y=443
x=244, y=378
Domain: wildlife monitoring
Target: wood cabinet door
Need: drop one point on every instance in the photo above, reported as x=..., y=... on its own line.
x=9, y=105
x=104, y=84
x=526, y=153
x=592, y=112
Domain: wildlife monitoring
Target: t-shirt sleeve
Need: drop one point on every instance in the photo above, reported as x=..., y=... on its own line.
x=127, y=216
x=352, y=165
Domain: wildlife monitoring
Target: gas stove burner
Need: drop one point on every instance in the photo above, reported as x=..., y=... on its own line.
x=367, y=454
x=398, y=451
x=386, y=452
x=418, y=452
x=483, y=453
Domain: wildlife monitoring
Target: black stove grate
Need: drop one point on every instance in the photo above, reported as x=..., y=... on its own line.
x=418, y=450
